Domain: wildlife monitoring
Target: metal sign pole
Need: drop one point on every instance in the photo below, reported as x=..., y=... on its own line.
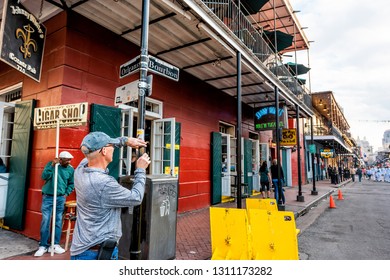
x=135, y=244
x=53, y=226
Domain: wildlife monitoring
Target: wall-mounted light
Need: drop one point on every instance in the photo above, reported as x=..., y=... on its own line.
x=324, y=109
x=266, y=97
x=320, y=102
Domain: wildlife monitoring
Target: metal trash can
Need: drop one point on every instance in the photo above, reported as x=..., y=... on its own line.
x=158, y=222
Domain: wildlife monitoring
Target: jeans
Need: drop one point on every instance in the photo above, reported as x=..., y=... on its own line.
x=92, y=255
x=278, y=189
x=46, y=209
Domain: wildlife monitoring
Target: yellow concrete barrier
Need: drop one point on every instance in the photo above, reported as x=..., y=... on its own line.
x=266, y=204
x=229, y=234
x=243, y=234
x=274, y=235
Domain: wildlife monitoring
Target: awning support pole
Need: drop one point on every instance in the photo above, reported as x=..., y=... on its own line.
x=300, y=197
x=239, y=132
x=314, y=191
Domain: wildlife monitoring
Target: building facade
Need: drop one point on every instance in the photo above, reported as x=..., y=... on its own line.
x=192, y=125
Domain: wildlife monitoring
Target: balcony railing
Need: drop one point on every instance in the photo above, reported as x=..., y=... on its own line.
x=233, y=17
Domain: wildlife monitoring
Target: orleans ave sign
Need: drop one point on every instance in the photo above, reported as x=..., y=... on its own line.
x=155, y=65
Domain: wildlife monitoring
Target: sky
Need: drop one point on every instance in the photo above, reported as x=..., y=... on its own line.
x=350, y=56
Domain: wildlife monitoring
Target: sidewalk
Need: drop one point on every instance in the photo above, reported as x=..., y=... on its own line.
x=193, y=228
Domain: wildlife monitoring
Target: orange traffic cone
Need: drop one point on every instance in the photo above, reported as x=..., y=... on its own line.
x=331, y=202
x=340, y=197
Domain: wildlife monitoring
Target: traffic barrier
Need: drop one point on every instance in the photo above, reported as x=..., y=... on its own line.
x=269, y=204
x=229, y=234
x=340, y=195
x=332, y=204
x=266, y=204
x=274, y=235
x=253, y=234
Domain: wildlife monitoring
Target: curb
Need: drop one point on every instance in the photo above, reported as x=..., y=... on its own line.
x=315, y=202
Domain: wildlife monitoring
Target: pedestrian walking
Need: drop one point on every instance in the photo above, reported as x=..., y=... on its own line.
x=359, y=172
x=265, y=179
x=65, y=186
x=353, y=173
x=278, y=185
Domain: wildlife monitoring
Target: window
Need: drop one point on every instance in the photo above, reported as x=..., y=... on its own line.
x=8, y=98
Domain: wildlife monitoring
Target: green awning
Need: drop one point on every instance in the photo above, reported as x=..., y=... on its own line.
x=252, y=6
x=283, y=40
x=299, y=68
x=302, y=81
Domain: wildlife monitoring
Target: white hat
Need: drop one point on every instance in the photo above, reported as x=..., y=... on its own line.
x=65, y=154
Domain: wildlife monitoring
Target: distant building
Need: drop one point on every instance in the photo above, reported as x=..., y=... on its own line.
x=367, y=151
x=386, y=140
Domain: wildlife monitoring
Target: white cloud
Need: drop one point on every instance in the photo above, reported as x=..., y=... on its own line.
x=350, y=56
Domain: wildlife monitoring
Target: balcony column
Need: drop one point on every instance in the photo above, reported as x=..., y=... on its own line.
x=300, y=197
x=314, y=191
x=280, y=206
x=239, y=132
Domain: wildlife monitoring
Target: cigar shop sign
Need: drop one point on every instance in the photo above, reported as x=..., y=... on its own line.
x=69, y=115
x=22, y=39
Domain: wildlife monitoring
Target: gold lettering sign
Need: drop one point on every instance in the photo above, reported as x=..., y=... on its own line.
x=69, y=115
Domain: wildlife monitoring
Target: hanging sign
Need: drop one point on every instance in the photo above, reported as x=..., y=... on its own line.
x=265, y=118
x=70, y=115
x=289, y=137
x=327, y=153
x=22, y=39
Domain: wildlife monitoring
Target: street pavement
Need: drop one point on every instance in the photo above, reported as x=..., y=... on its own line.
x=193, y=228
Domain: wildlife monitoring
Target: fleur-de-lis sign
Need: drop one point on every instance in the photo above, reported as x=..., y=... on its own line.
x=27, y=41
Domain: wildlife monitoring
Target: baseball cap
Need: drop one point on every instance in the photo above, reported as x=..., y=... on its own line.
x=65, y=154
x=96, y=140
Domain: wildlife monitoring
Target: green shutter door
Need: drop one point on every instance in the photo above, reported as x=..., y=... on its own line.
x=19, y=164
x=216, y=170
x=248, y=165
x=108, y=120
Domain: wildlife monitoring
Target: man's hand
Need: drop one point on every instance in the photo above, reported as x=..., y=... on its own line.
x=55, y=161
x=135, y=142
x=143, y=161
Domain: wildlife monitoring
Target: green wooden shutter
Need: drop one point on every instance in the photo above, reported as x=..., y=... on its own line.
x=248, y=164
x=216, y=170
x=108, y=120
x=19, y=164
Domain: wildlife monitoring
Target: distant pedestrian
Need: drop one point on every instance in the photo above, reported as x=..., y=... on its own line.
x=359, y=172
x=265, y=179
x=279, y=195
x=353, y=173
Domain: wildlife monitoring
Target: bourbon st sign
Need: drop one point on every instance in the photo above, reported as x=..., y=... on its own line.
x=22, y=39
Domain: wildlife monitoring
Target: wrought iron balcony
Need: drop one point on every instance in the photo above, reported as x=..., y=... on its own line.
x=252, y=37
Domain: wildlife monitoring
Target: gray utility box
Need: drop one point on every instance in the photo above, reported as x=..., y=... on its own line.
x=158, y=222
